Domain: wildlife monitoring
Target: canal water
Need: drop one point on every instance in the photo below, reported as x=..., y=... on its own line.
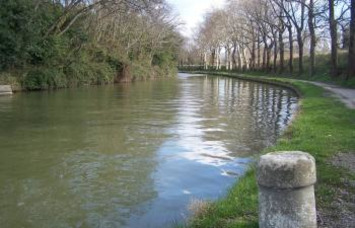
x=131, y=155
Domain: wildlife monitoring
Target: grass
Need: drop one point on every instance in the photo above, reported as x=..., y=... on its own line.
x=323, y=128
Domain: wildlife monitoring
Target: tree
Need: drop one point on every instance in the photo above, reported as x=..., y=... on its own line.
x=334, y=40
x=351, y=58
x=296, y=15
x=311, y=27
x=74, y=9
x=254, y=35
x=60, y=43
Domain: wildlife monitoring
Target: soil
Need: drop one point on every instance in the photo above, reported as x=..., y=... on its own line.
x=342, y=211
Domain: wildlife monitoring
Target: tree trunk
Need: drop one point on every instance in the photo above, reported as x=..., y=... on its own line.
x=268, y=55
x=334, y=40
x=213, y=57
x=265, y=53
x=351, y=58
x=258, y=47
x=205, y=65
x=234, y=61
x=226, y=55
x=218, y=59
x=290, y=37
x=282, y=51
x=313, y=37
x=252, y=54
x=230, y=65
x=300, y=52
x=124, y=76
x=275, y=52
x=238, y=58
x=245, y=62
x=241, y=57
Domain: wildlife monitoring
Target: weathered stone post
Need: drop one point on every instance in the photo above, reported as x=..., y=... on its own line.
x=286, y=191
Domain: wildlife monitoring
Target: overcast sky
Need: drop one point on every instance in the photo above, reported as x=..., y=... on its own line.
x=191, y=11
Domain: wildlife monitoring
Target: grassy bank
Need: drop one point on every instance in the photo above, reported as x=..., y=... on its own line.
x=323, y=128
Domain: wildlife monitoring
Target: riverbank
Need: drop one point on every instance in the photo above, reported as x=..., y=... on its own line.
x=43, y=79
x=323, y=128
x=56, y=44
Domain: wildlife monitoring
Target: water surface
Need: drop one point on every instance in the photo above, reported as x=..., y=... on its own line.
x=131, y=155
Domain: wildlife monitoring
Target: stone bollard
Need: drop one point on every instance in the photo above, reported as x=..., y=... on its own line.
x=286, y=191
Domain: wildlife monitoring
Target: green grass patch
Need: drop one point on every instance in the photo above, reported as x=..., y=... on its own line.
x=323, y=128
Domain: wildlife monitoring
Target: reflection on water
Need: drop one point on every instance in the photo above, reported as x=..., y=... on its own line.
x=131, y=155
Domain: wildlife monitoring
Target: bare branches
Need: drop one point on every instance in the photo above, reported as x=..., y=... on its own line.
x=75, y=9
x=255, y=31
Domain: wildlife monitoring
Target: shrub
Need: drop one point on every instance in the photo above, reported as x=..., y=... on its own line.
x=8, y=79
x=43, y=78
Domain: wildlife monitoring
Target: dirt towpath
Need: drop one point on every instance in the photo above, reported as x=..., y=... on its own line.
x=342, y=214
x=347, y=96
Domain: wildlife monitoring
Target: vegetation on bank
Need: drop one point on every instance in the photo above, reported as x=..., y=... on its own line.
x=321, y=68
x=324, y=128
x=53, y=44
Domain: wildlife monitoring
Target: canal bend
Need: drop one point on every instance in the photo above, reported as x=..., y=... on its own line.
x=131, y=155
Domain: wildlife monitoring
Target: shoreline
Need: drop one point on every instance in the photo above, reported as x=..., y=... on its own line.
x=315, y=129
x=18, y=89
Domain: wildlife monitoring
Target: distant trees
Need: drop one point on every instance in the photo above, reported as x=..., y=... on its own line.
x=59, y=43
x=262, y=35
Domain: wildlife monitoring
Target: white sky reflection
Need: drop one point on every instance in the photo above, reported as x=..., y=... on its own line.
x=191, y=135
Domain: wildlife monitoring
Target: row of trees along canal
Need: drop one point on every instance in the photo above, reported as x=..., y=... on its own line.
x=61, y=43
x=274, y=36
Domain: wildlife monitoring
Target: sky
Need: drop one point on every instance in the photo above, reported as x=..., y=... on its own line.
x=191, y=12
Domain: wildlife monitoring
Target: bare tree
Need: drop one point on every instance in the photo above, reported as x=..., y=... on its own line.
x=253, y=33
x=312, y=33
x=296, y=15
x=74, y=9
x=334, y=40
x=351, y=58
x=285, y=23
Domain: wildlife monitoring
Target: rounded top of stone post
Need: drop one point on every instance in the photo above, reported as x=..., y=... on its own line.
x=286, y=169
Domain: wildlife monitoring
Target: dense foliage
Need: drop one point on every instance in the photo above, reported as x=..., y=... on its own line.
x=51, y=43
